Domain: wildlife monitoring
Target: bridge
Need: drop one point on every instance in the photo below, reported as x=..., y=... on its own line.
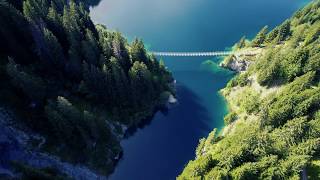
x=197, y=54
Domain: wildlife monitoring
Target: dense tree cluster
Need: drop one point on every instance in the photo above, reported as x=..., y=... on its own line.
x=260, y=37
x=241, y=44
x=275, y=135
x=75, y=82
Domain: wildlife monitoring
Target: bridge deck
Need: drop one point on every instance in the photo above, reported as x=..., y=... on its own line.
x=187, y=54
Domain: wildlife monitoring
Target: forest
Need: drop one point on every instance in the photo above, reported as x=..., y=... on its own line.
x=272, y=129
x=76, y=83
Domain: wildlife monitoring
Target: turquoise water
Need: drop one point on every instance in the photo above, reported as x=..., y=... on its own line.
x=160, y=150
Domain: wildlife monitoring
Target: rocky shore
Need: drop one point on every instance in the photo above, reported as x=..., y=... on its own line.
x=240, y=63
x=236, y=63
x=15, y=146
x=19, y=144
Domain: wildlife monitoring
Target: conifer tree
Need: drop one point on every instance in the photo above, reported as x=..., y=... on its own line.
x=54, y=20
x=241, y=43
x=260, y=38
x=74, y=65
x=141, y=83
x=138, y=52
x=29, y=83
x=120, y=51
x=284, y=31
x=90, y=49
x=272, y=35
x=119, y=82
x=56, y=54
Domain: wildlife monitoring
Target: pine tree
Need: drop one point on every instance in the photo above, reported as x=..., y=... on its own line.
x=260, y=38
x=71, y=27
x=106, y=45
x=272, y=35
x=27, y=82
x=138, y=52
x=65, y=120
x=284, y=31
x=73, y=9
x=30, y=11
x=35, y=10
x=241, y=43
x=56, y=54
x=54, y=18
x=141, y=83
x=55, y=25
x=119, y=83
x=313, y=34
x=90, y=48
x=95, y=81
x=120, y=51
x=15, y=41
x=74, y=65
x=85, y=20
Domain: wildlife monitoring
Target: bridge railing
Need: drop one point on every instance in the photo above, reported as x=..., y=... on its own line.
x=215, y=53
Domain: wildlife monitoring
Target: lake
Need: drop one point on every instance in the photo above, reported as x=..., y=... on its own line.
x=160, y=150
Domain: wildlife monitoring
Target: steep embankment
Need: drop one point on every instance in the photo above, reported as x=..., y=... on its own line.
x=21, y=148
x=272, y=130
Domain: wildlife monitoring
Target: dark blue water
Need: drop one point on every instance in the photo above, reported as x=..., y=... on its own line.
x=160, y=150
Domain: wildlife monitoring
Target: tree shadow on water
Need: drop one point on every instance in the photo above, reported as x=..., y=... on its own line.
x=192, y=115
x=170, y=140
x=188, y=107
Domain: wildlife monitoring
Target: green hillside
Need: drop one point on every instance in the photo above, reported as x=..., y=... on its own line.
x=273, y=128
x=77, y=84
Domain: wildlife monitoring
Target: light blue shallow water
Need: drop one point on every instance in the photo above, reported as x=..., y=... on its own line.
x=160, y=150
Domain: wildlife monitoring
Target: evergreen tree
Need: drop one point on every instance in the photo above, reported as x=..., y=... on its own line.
x=284, y=31
x=260, y=38
x=53, y=16
x=35, y=10
x=29, y=10
x=71, y=27
x=120, y=51
x=119, y=83
x=54, y=23
x=74, y=65
x=15, y=41
x=272, y=35
x=313, y=34
x=27, y=82
x=73, y=10
x=56, y=54
x=138, y=52
x=141, y=83
x=90, y=49
x=241, y=43
x=294, y=62
x=95, y=81
x=106, y=45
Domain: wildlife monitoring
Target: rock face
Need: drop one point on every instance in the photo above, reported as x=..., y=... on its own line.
x=15, y=146
x=236, y=63
x=172, y=99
